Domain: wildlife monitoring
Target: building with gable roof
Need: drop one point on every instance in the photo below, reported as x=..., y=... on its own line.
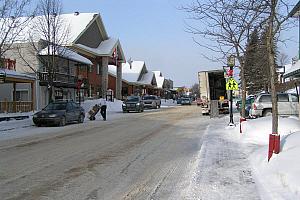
x=137, y=79
x=90, y=51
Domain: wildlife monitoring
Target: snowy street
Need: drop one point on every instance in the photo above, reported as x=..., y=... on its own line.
x=170, y=153
x=139, y=156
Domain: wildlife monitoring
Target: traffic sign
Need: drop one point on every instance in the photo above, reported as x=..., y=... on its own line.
x=232, y=84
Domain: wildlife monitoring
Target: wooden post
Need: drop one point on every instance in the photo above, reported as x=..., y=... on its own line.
x=32, y=95
x=14, y=97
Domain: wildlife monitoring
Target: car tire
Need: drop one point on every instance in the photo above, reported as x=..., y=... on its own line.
x=81, y=119
x=267, y=112
x=62, y=121
x=38, y=125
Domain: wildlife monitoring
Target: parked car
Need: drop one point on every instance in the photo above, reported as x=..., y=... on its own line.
x=249, y=101
x=60, y=113
x=287, y=105
x=151, y=101
x=178, y=100
x=186, y=101
x=133, y=103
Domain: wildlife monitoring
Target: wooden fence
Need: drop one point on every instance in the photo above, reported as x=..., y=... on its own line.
x=18, y=106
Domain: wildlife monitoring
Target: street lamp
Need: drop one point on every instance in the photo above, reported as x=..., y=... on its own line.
x=231, y=63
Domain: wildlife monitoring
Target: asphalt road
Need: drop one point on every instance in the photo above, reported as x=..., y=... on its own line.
x=139, y=156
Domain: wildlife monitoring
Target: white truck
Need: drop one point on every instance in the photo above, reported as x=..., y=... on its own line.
x=212, y=86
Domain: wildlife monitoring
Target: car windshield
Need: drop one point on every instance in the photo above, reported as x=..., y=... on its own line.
x=186, y=99
x=56, y=106
x=149, y=97
x=133, y=98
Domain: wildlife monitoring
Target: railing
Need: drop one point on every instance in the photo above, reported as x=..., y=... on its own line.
x=58, y=77
x=18, y=106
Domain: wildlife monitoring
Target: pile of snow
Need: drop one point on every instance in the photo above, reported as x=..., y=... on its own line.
x=257, y=131
x=278, y=178
x=115, y=106
x=167, y=103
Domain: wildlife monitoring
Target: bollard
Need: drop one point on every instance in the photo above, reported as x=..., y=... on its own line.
x=241, y=120
x=276, y=144
x=271, y=145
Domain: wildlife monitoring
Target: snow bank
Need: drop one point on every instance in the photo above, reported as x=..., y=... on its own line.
x=115, y=106
x=257, y=131
x=278, y=178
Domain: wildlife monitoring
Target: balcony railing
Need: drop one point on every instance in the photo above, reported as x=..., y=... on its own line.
x=59, y=78
x=18, y=106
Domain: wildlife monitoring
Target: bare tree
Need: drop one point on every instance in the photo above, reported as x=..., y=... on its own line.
x=226, y=25
x=14, y=17
x=282, y=58
x=276, y=21
x=195, y=90
x=47, y=37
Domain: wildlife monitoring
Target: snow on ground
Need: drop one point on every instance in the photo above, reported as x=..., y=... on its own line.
x=20, y=128
x=278, y=178
x=221, y=169
x=229, y=165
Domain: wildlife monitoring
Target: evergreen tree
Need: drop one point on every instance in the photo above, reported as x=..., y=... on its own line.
x=251, y=68
x=263, y=61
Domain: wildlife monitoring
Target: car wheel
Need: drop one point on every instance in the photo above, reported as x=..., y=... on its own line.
x=81, y=118
x=267, y=112
x=38, y=125
x=62, y=121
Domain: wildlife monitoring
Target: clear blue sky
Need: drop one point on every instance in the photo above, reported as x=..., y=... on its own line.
x=153, y=31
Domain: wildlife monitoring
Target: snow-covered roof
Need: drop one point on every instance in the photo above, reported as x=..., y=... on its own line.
x=159, y=79
x=15, y=74
x=127, y=77
x=136, y=67
x=66, y=53
x=147, y=78
x=73, y=25
x=105, y=48
x=292, y=69
x=132, y=73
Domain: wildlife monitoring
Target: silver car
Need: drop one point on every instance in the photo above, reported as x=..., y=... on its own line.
x=151, y=101
x=287, y=105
